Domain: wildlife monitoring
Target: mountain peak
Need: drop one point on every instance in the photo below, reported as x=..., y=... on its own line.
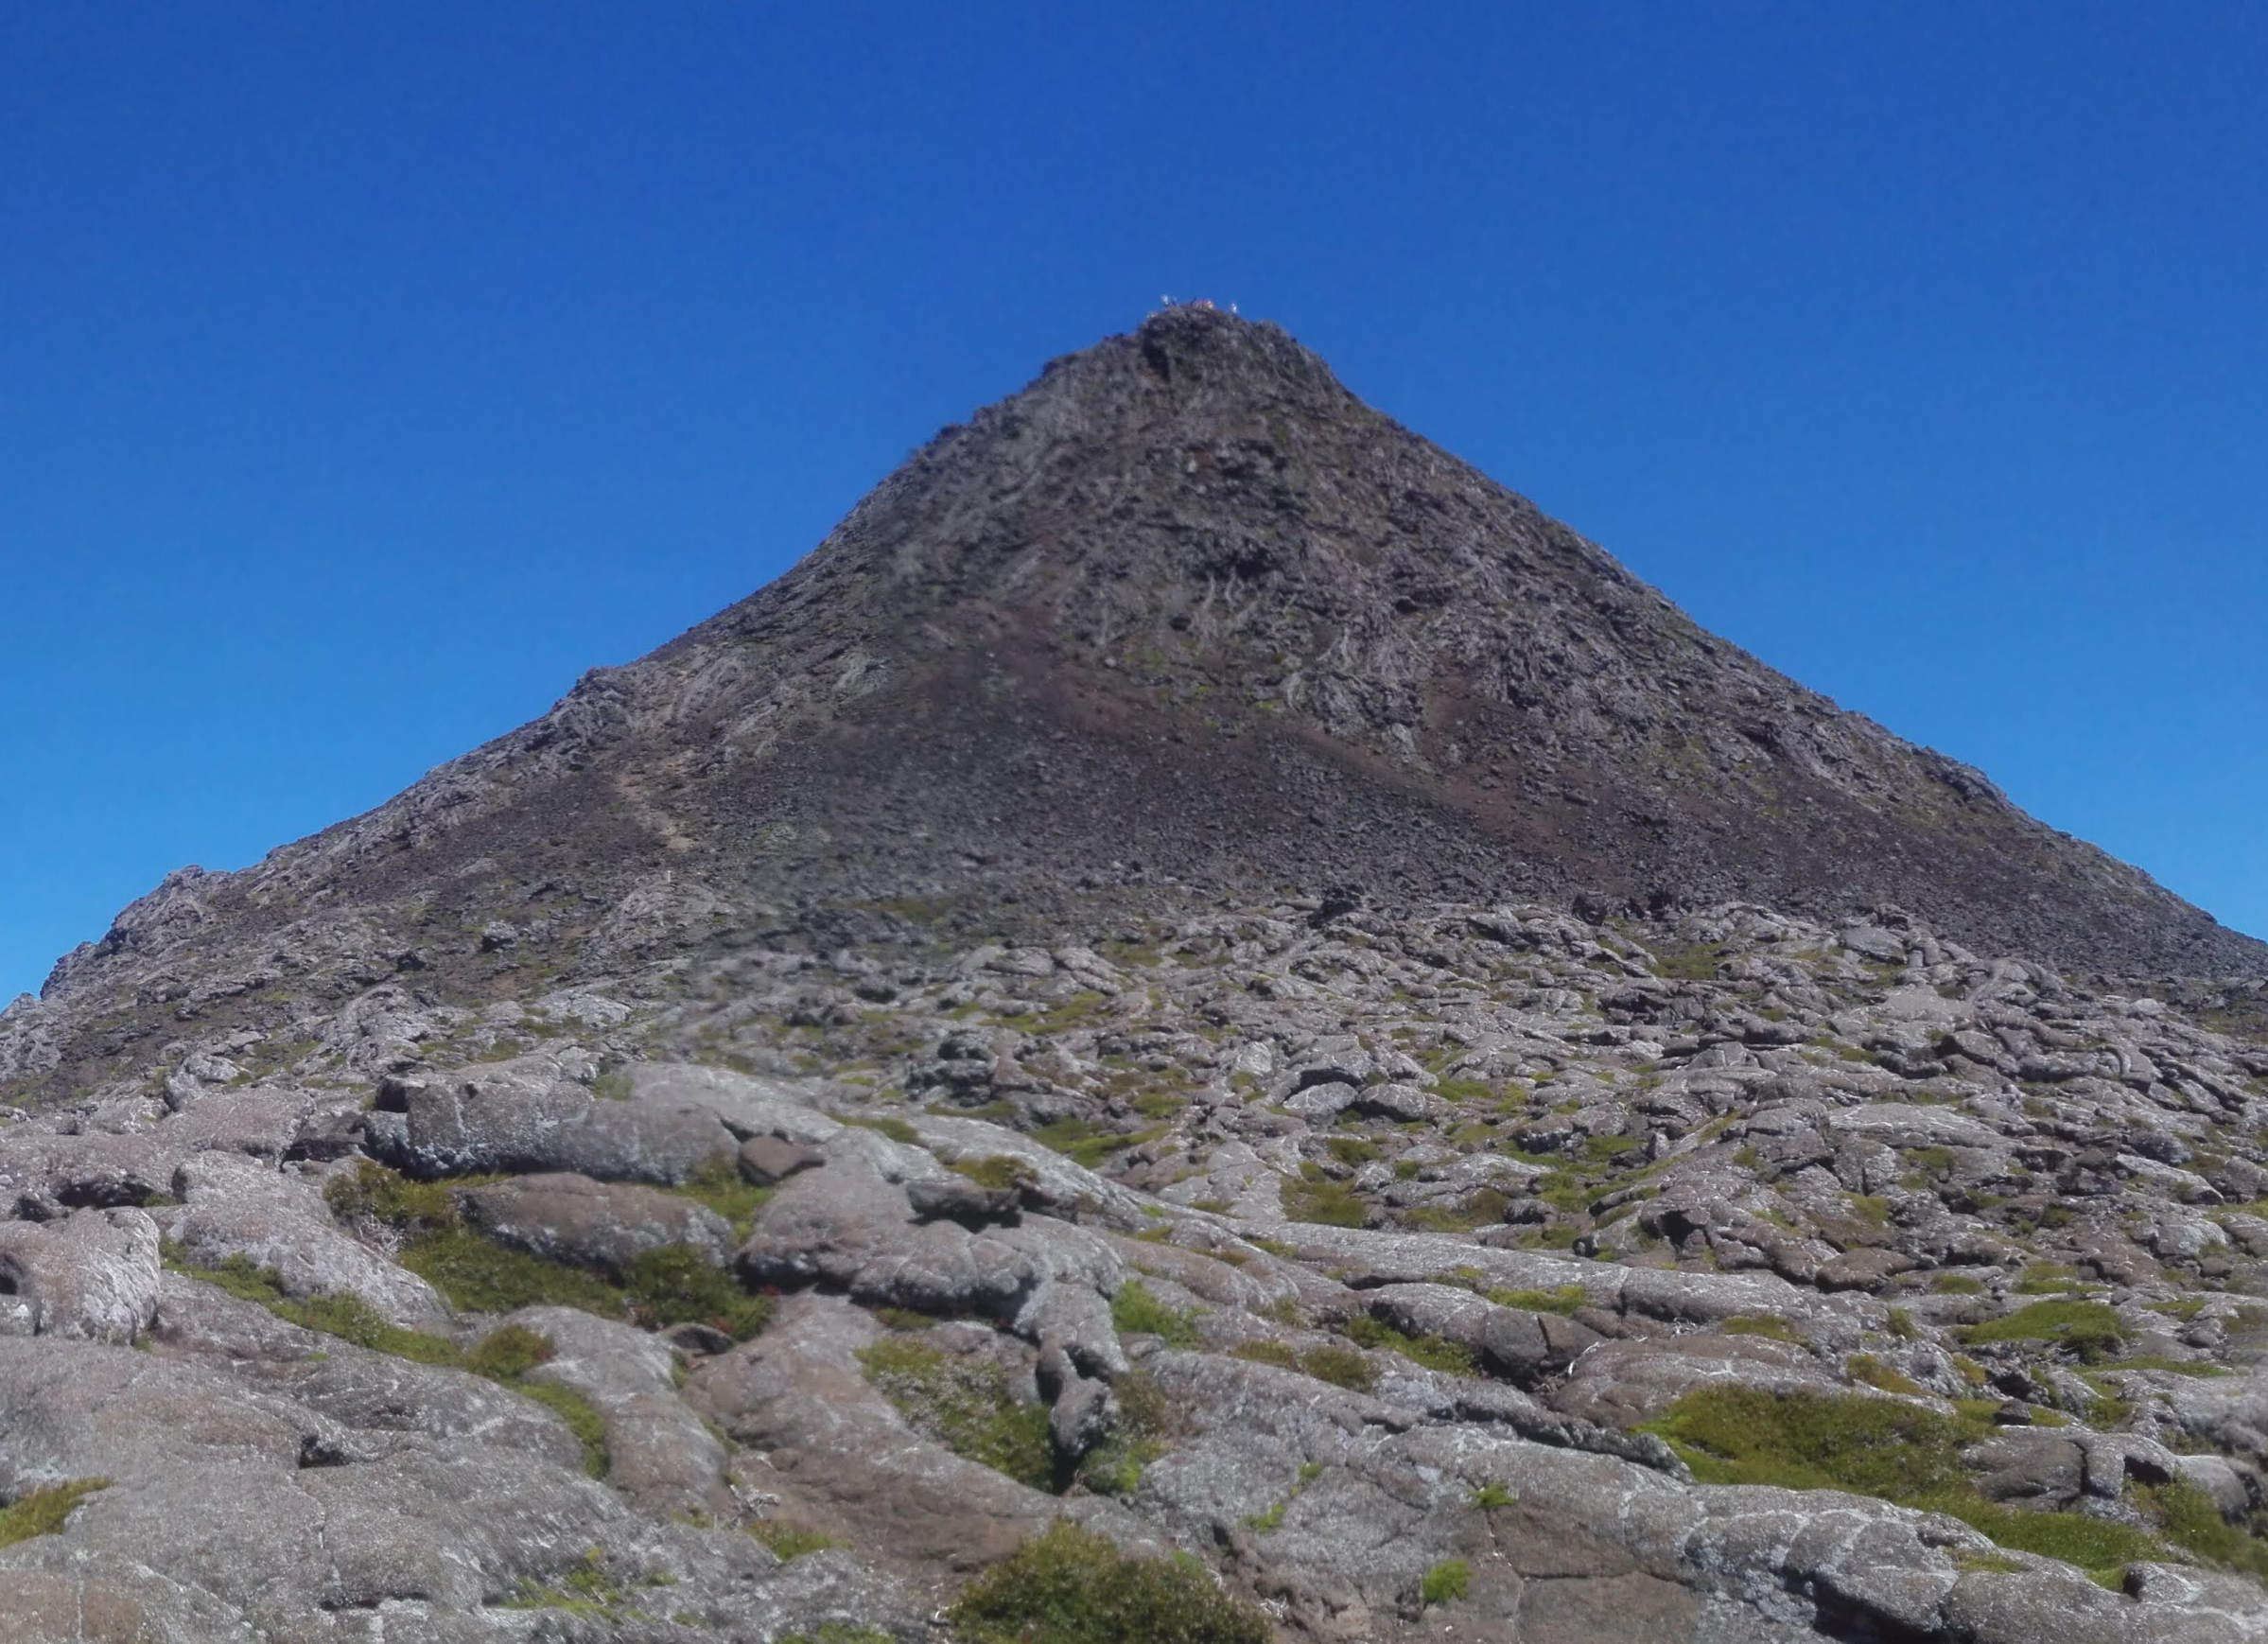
x=1184, y=615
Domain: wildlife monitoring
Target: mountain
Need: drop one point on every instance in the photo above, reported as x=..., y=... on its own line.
x=1199, y=980
x=1183, y=618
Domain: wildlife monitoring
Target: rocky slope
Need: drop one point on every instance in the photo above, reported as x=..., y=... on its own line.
x=1340, y=1252
x=904, y=1068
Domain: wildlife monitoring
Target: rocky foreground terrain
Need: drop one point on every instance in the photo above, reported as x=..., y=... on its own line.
x=1473, y=1271
x=1202, y=1029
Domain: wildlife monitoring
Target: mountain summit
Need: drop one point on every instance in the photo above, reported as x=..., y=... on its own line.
x=1182, y=613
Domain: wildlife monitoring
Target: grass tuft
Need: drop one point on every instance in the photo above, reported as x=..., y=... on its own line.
x=789, y=1540
x=1136, y=1310
x=1447, y=1582
x=1318, y=1199
x=1562, y=1301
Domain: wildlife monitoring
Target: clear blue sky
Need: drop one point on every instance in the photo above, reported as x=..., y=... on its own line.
x=369, y=371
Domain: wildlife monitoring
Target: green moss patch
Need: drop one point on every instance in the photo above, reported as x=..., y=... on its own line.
x=789, y=1540
x=1084, y=1143
x=1339, y=1366
x=583, y=1589
x=1765, y=1325
x=45, y=1510
x=719, y=1184
x=1068, y=1586
x=966, y=1405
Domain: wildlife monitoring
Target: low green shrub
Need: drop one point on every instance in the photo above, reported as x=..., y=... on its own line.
x=995, y=1170
x=676, y=1284
x=1082, y=1142
x=504, y=1355
x=1865, y=1367
x=482, y=1276
x=509, y=1353
x=2193, y=1523
x=2089, y=1329
x=583, y=1589
x=1567, y=1192
x=1114, y=1467
x=1068, y=1586
x=2198, y=1366
x=1483, y=1209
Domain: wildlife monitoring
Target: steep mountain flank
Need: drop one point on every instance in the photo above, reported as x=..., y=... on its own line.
x=1184, y=615
x=1201, y=1028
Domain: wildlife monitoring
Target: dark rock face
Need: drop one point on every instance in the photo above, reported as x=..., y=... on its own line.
x=1183, y=617
x=739, y=1156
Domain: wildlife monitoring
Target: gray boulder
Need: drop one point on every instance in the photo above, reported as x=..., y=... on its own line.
x=467, y=1127
x=237, y=1206
x=90, y=1277
x=565, y=1217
